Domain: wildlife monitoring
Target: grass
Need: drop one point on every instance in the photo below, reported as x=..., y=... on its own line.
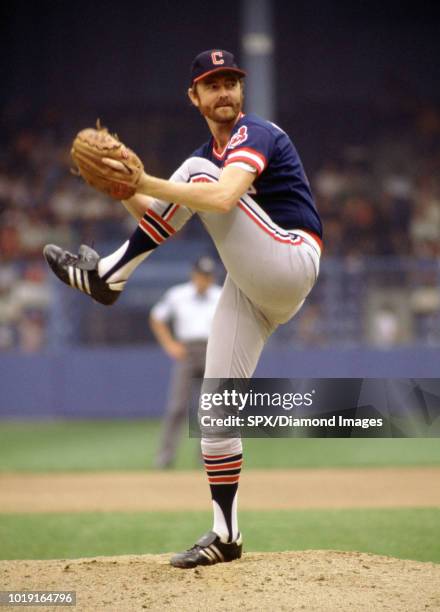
x=404, y=533
x=131, y=445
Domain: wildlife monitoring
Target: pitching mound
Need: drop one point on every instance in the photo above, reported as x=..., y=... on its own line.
x=309, y=580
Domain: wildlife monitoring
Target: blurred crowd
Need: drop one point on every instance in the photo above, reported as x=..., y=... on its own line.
x=384, y=198
x=40, y=202
x=379, y=199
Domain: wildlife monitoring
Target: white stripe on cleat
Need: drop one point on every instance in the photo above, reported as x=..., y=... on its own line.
x=70, y=270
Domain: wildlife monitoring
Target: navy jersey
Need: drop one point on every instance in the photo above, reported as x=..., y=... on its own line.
x=281, y=187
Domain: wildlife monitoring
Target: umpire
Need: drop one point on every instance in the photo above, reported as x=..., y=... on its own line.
x=181, y=322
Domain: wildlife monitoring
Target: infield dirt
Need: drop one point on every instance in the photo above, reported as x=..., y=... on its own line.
x=162, y=491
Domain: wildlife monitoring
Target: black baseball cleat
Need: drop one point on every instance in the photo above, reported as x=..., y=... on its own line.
x=208, y=550
x=81, y=272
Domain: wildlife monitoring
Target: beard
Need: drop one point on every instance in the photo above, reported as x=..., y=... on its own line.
x=223, y=112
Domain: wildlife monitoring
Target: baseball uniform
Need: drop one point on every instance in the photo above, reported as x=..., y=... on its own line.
x=269, y=240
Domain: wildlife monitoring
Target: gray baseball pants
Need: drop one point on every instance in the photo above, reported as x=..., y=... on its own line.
x=270, y=271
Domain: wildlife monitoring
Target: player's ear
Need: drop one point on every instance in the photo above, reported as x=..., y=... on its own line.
x=192, y=95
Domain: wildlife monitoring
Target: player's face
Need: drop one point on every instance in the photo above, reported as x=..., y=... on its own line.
x=219, y=97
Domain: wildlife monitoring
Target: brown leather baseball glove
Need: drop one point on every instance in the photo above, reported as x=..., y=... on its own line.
x=90, y=147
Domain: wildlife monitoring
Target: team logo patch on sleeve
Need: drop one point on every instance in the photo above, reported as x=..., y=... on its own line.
x=239, y=137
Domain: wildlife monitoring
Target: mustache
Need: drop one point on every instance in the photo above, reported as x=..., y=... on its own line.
x=224, y=102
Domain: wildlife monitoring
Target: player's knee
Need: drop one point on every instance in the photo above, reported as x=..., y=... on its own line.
x=197, y=166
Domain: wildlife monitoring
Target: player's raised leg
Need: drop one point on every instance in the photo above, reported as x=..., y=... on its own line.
x=103, y=278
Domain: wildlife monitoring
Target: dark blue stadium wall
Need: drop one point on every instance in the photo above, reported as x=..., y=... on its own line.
x=133, y=383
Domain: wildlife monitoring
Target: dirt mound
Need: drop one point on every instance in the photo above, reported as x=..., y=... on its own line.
x=308, y=580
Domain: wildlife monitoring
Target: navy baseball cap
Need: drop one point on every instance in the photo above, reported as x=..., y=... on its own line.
x=213, y=60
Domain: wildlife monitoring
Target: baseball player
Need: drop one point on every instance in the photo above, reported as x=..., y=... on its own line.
x=248, y=185
x=181, y=321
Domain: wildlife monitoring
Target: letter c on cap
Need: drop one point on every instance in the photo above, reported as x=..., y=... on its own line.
x=217, y=58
